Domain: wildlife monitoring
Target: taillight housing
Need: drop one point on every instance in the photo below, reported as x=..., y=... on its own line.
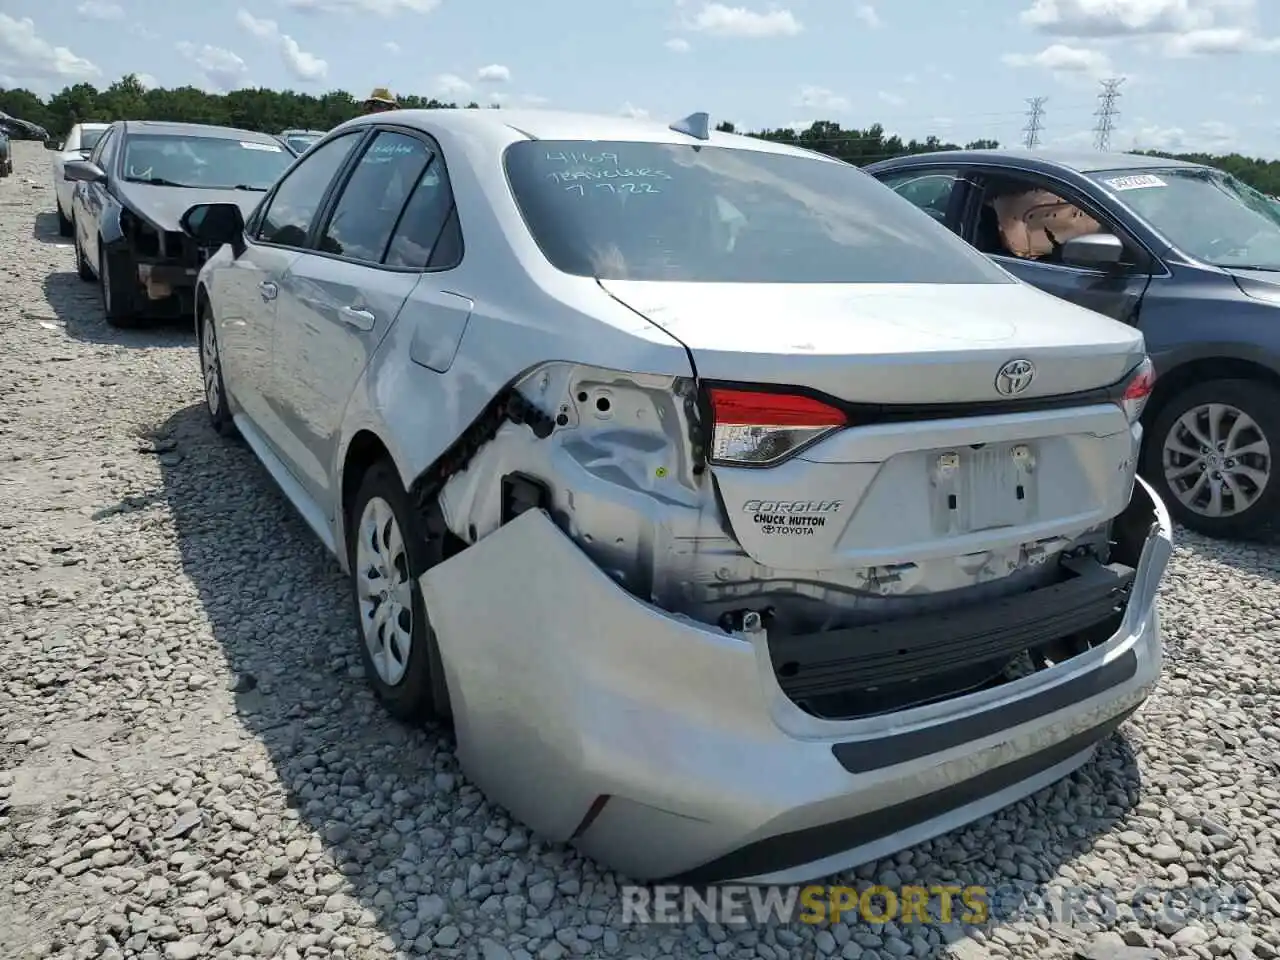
x=760, y=428
x=1138, y=390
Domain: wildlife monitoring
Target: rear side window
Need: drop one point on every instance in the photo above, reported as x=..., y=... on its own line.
x=293, y=208
x=428, y=234
x=674, y=212
x=366, y=213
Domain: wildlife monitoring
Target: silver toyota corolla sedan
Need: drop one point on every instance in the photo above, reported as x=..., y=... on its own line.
x=745, y=521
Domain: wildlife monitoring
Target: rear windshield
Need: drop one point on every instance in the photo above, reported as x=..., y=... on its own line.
x=208, y=162
x=620, y=210
x=89, y=138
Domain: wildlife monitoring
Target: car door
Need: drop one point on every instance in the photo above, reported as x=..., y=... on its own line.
x=1020, y=220
x=938, y=191
x=246, y=291
x=90, y=199
x=339, y=300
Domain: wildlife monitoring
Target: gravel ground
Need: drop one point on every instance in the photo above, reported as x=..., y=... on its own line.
x=191, y=766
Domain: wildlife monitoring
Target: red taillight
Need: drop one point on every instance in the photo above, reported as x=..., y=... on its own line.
x=758, y=428
x=1138, y=390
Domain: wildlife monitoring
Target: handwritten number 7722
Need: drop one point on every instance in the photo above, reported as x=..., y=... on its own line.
x=581, y=189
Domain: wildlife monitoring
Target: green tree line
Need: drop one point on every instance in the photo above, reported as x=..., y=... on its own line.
x=276, y=110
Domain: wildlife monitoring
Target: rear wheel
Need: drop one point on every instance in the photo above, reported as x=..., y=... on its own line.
x=1211, y=455
x=117, y=300
x=387, y=554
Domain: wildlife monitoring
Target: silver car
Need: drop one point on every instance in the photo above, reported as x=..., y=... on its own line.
x=81, y=140
x=745, y=521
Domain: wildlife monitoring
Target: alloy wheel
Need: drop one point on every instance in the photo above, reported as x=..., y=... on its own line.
x=384, y=591
x=1217, y=460
x=209, y=365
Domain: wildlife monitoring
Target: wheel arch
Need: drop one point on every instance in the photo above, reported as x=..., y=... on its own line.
x=364, y=450
x=1204, y=368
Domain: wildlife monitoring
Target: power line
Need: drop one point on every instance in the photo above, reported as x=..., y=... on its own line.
x=1035, y=117
x=1107, y=112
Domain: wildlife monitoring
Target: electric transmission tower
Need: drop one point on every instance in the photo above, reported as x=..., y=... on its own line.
x=1106, y=113
x=1035, y=118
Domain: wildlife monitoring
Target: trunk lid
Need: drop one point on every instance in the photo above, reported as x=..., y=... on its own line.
x=887, y=343
x=996, y=490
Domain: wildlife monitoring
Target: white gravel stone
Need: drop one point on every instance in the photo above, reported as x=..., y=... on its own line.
x=191, y=765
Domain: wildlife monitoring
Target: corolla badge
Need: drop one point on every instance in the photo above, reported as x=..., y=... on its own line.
x=1014, y=377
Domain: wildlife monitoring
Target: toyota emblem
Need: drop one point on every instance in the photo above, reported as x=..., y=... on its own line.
x=1014, y=377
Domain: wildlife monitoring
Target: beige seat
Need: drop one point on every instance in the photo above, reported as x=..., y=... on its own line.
x=1027, y=219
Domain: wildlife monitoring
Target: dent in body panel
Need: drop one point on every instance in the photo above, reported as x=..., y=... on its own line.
x=623, y=487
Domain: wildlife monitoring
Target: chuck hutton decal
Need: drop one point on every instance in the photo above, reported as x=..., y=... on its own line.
x=788, y=518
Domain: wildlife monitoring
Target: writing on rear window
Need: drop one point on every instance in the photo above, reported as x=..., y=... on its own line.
x=587, y=173
x=1136, y=182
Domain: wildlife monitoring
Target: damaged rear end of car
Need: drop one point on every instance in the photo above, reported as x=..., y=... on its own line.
x=877, y=565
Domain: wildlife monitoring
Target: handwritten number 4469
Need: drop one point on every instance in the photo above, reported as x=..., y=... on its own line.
x=581, y=189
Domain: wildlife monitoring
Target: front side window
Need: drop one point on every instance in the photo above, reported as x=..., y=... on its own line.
x=369, y=207
x=623, y=210
x=930, y=190
x=210, y=163
x=292, y=210
x=1023, y=218
x=1206, y=213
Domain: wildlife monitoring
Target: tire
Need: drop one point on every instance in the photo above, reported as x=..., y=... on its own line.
x=411, y=688
x=215, y=389
x=64, y=223
x=1249, y=484
x=83, y=270
x=117, y=305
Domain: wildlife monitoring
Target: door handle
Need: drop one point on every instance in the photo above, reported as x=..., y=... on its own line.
x=268, y=290
x=360, y=319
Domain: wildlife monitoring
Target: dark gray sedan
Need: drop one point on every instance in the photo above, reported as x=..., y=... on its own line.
x=1186, y=253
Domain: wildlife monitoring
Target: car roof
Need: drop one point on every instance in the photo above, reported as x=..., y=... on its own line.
x=1079, y=161
x=502, y=127
x=167, y=128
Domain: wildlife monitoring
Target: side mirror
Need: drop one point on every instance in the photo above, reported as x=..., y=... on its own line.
x=1097, y=251
x=213, y=224
x=83, y=170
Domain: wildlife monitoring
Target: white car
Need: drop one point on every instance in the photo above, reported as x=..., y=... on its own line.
x=78, y=145
x=746, y=521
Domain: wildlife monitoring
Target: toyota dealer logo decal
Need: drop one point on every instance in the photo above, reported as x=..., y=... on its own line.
x=1014, y=377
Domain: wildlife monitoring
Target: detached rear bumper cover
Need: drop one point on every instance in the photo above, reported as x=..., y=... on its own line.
x=664, y=747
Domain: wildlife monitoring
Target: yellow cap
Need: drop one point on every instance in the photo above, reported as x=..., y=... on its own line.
x=380, y=95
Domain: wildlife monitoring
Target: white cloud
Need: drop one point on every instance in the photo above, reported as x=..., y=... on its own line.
x=142, y=32
x=222, y=68
x=100, y=10
x=392, y=48
x=147, y=81
x=1063, y=59
x=868, y=15
x=892, y=99
x=451, y=85
x=678, y=45
x=27, y=59
x=304, y=66
x=1212, y=136
x=533, y=100
x=716, y=18
x=821, y=99
x=494, y=73
x=634, y=112
x=494, y=96
x=1110, y=18
x=382, y=8
x=262, y=29
x=1215, y=41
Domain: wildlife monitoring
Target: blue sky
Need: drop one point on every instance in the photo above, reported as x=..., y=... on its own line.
x=1199, y=74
